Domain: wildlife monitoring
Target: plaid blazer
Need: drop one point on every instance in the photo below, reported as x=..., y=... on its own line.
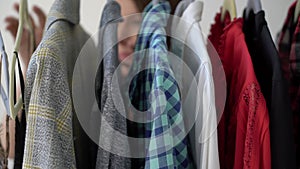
x=49, y=133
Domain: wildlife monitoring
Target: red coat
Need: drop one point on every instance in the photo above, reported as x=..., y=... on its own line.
x=243, y=132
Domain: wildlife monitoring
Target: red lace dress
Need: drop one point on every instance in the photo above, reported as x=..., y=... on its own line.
x=243, y=132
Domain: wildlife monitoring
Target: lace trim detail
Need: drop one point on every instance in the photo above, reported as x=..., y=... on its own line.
x=251, y=96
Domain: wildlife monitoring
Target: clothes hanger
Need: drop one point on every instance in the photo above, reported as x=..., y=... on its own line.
x=297, y=12
x=24, y=22
x=230, y=6
x=4, y=69
x=254, y=5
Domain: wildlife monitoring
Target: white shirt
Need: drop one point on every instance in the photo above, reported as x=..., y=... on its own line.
x=203, y=136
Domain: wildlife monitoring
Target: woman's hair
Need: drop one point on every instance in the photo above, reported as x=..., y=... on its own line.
x=141, y=4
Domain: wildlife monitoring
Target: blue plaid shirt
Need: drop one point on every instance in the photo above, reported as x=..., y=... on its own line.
x=156, y=91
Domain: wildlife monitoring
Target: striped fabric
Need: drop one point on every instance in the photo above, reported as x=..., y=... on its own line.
x=155, y=91
x=4, y=68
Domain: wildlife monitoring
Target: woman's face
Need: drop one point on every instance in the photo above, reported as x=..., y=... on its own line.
x=127, y=34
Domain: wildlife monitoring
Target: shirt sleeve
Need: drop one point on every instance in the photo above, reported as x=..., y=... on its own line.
x=49, y=137
x=206, y=122
x=265, y=150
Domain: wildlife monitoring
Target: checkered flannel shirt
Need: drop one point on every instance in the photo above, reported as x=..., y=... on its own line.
x=288, y=46
x=167, y=147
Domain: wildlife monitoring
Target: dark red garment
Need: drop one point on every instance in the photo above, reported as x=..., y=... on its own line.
x=243, y=132
x=289, y=51
x=217, y=29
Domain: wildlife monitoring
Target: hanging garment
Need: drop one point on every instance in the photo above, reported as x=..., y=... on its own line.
x=4, y=68
x=181, y=7
x=52, y=127
x=217, y=29
x=20, y=125
x=176, y=45
x=110, y=115
x=243, y=132
x=289, y=57
x=20, y=140
x=4, y=150
x=274, y=87
x=4, y=142
x=203, y=137
x=155, y=91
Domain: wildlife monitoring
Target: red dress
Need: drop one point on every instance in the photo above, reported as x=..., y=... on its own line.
x=243, y=132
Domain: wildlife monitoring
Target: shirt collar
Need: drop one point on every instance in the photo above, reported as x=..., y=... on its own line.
x=190, y=16
x=64, y=10
x=182, y=5
x=111, y=13
x=194, y=11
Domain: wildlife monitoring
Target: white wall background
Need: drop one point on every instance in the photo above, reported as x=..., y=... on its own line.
x=276, y=11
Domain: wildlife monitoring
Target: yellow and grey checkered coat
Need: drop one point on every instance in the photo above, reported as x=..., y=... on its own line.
x=49, y=134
